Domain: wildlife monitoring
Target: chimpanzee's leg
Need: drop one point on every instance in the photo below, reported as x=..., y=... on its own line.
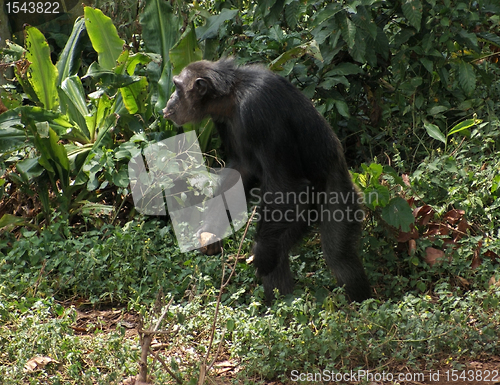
x=340, y=233
x=282, y=223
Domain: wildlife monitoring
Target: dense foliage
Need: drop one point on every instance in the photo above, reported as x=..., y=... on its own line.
x=412, y=89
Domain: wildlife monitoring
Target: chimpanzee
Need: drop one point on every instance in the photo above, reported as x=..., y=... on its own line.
x=276, y=139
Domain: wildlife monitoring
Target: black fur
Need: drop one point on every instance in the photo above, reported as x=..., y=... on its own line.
x=278, y=141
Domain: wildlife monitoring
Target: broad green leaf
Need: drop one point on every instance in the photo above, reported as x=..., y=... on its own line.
x=381, y=44
x=213, y=23
x=434, y=132
x=42, y=74
x=92, y=208
x=370, y=55
x=437, y=110
x=134, y=60
x=121, y=62
x=358, y=51
x=403, y=36
x=11, y=139
x=342, y=108
x=58, y=122
x=326, y=13
x=9, y=219
x=51, y=149
x=465, y=125
x=160, y=27
x=360, y=179
x=388, y=170
x=104, y=109
x=205, y=134
x=126, y=151
x=470, y=39
x=29, y=169
x=491, y=38
x=204, y=130
x=375, y=169
x=185, y=51
x=104, y=134
x=428, y=65
x=74, y=104
x=321, y=33
x=109, y=78
x=398, y=214
x=160, y=31
x=309, y=48
x=376, y=195
x=345, y=69
x=363, y=20
x=53, y=155
x=495, y=185
x=104, y=37
x=450, y=165
x=69, y=61
x=230, y=325
x=419, y=101
x=329, y=82
x=121, y=178
x=73, y=88
x=412, y=9
x=2, y=191
x=12, y=134
x=292, y=13
x=444, y=76
x=348, y=29
x=77, y=156
x=165, y=86
x=135, y=96
x=466, y=77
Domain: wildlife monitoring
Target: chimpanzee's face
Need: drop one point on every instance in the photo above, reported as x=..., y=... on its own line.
x=185, y=104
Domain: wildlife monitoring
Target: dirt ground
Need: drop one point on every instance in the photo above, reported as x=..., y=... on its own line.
x=471, y=372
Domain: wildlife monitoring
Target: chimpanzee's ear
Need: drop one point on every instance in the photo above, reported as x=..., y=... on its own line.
x=201, y=86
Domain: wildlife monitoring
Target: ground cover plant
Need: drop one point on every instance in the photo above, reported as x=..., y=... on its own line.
x=411, y=88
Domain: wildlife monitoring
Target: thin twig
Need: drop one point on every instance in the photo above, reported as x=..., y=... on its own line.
x=165, y=366
x=239, y=250
x=219, y=348
x=145, y=341
x=217, y=305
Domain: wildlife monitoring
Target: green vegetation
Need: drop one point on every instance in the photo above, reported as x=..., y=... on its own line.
x=412, y=89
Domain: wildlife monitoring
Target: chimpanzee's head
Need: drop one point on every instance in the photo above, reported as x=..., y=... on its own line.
x=199, y=91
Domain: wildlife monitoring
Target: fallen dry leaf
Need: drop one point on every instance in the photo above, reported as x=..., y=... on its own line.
x=406, y=236
x=491, y=254
x=432, y=255
x=37, y=363
x=463, y=282
x=493, y=281
x=423, y=214
x=412, y=247
x=453, y=216
x=476, y=260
